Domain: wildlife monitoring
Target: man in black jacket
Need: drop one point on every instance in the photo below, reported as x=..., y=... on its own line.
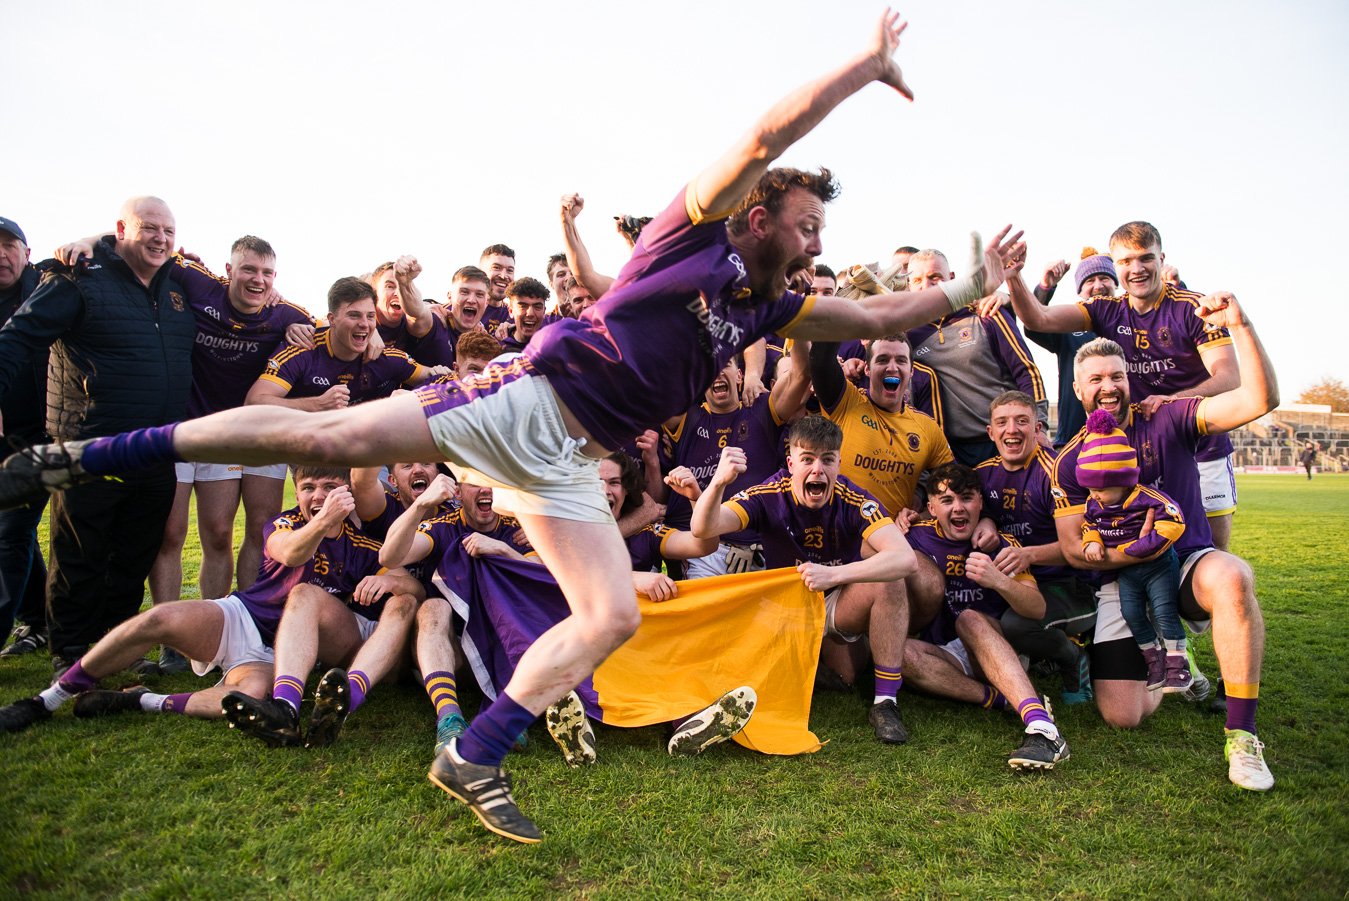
x=121, y=337
x=23, y=409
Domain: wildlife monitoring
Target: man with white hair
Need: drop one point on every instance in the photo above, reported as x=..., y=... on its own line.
x=121, y=335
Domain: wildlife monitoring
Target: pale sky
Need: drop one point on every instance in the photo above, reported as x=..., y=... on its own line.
x=350, y=133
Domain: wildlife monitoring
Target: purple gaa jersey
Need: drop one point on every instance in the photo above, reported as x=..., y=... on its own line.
x=378, y=527
x=432, y=349
x=1021, y=503
x=494, y=315
x=1121, y=525
x=309, y=373
x=449, y=529
x=700, y=435
x=962, y=592
x=1166, y=446
x=678, y=311
x=1161, y=347
x=337, y=567
x=231, y=348
x=793, y=533
x=647, y=547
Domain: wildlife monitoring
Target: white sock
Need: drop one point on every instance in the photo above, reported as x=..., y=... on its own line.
x=1047, y=729
x=55, y=696
x=153, y=703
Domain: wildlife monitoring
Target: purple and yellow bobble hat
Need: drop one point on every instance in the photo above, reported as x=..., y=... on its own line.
x=1106, y=460
x=1094, y=263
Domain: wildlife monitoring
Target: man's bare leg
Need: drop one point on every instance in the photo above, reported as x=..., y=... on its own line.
x=166, y=574
x=438, y=659
x=216, y=504
x=262, y=499
x=1221, y=527
x=933, y=670
x=881, y=610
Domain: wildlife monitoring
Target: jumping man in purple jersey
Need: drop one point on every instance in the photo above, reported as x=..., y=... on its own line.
x=704, y=288
x=1215, y=585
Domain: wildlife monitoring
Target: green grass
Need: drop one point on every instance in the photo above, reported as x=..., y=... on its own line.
x=162, y=806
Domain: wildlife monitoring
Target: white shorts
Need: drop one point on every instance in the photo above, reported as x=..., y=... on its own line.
x=277, y=471
x=504, y=430
x=724, y=560
x=240, y=642
x=1110, y=622
x=956, y=648
x=365, y=626
x=1218, y=485
x=190, y=473
x=830, y=605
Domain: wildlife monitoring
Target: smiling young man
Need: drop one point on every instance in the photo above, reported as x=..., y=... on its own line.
x=498, y=261
x=347, y=610
x=1018, y=496
x=1170, y=351
x=815, y=520
x=707, y=278
x=965, y=643
x=1216, y=587
x=239, y=327
x=334, y=373
x=527, y=299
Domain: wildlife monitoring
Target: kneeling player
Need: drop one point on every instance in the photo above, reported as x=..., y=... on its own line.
x=367, y=632
x=965, y=642
x=812, y=518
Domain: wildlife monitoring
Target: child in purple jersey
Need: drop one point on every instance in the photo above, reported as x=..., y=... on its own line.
x=816, y=521
x=535, y=428
x=964, y=645
x=1143, y=523
x=342, y=607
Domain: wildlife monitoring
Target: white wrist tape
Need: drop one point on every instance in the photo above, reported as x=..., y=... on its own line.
x=963, y=291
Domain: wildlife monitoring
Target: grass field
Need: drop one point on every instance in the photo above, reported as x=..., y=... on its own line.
x=165, y=807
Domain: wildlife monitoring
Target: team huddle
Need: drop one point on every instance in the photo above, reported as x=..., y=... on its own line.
x=724, y=405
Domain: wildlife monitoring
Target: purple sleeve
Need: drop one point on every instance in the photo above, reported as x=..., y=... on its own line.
x=1016, y=356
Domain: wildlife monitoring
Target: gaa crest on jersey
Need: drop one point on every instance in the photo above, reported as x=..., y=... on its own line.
x=1164, y=336
x=870, y=509
x=913, y=441
x=177, y=300
x=1172, y=510
x=1148, y=453
x=966, y=334
x=742, y=432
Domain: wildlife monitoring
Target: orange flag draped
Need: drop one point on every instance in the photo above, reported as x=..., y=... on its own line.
x=758, y=629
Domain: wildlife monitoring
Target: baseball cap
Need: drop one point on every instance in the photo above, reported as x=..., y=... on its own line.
x=8, y=225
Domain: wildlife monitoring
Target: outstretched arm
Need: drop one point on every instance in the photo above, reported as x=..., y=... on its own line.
x=578, y=258
x=720, y=187
x=1258, y=390
x=418, y=316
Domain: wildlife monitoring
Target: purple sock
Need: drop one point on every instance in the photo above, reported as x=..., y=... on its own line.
x=288, y=690
x=1033, y=711
x=130, y=451
x=76, y=680
x=360, y=684
x=493, y=732
x=176, y=703
x=993, y=699
x=1241, y=713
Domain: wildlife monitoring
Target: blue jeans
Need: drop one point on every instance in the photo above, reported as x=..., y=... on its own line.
x=23, y=575
x=1151, y=588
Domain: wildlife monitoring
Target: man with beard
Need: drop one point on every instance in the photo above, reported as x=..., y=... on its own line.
x=1216, y=587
